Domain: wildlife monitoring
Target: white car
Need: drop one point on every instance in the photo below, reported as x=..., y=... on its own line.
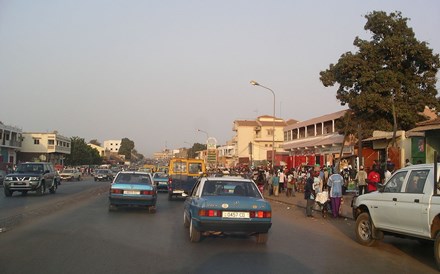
x=70, y=174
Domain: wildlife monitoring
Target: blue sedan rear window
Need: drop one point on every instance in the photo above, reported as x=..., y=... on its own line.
x=133, y=179
x=230, y=188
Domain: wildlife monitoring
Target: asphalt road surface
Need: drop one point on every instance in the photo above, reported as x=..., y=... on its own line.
x=81, y=236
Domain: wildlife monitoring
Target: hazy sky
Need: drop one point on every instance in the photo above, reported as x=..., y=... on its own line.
x=155, y=71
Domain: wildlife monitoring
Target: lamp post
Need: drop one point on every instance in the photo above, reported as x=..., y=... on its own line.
x=255, y=83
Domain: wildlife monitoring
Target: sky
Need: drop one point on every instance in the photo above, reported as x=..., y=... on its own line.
x=156, y=71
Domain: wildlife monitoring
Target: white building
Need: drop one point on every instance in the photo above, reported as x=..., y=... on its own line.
x=44, y=147
x=10, y=143
x=112, y=145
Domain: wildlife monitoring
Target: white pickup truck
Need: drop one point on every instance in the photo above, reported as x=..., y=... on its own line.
x=407, y=205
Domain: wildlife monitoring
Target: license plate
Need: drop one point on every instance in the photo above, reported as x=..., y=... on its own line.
x=178, y=191
x=235, y=214
x=132, y=192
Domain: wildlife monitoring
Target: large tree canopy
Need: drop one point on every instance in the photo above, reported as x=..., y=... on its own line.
x=126, y=148
x=82, y=154
x=393, y=69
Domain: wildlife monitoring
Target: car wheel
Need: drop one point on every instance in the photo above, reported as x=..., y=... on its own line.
x=262, y=238
x=185, y=219
x=112, y=207
x=364, y=230
x=194, y=234
x=95, y=179
x=8, y=193
x=152, y=209
x=53, y=189
x=437, y=250
x=41, y=189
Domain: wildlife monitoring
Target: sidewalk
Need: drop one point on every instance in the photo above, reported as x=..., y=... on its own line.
x=299, y=201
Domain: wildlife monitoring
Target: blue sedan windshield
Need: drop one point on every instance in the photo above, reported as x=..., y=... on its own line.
x=230, y=188
x=133, y=179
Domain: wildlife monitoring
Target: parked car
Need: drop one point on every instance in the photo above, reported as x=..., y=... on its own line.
x=161, y=181
x=38, y=176
x=408, y=205
x=103, y=175
x=70, y=174
x=133, y=189
x=227, y=205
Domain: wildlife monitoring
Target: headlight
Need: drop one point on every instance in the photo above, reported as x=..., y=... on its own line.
x=34, y=178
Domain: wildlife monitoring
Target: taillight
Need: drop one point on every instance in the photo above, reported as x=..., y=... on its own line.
x=210, y=213
x=116, y=191
x=147, y=192
x=260, y=214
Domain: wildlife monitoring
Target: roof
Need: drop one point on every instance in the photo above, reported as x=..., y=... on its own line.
x=322, y=140
x=320, y=119
x=383, y=135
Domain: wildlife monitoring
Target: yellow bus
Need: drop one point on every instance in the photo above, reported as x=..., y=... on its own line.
x=183, y=174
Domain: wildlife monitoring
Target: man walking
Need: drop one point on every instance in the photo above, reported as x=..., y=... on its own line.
x=361, y=179
x=335, y=182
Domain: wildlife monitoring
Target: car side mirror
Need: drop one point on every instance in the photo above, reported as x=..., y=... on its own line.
x=380, y=187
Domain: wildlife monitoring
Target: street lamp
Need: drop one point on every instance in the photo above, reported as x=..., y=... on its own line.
x=207, y=135
x=255, y=83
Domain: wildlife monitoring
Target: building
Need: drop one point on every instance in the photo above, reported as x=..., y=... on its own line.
x=112, y=145
x=425, y=140
x=100, y=149
x=10, y=144
x=254, y=138
x=44, y=147
x=315, y=141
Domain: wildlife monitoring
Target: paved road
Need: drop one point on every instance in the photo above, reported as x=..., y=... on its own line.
x=85, y=238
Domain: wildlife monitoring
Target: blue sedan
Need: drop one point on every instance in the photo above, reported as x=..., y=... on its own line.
x=133, y=189
x=226, y=205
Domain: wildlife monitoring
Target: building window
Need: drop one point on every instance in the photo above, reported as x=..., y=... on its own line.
x=7, y=136
x=270, y=132
x=36, y=141
x=50, y=142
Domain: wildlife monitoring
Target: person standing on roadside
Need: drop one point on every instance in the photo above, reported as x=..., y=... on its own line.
x=335, y=182
x=275, y=184
x=361, y=179
x=309, y=194
x=282, y=180
x=373, y=179
x=289, y=190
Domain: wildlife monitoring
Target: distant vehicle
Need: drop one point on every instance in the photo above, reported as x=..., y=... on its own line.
x=183, y=174
x=161, y=181
x=103, y=175
x=38, y=176
x=133, y=189
x=227, y=205
x=70, y=174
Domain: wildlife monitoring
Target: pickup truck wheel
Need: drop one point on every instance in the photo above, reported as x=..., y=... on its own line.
x=41, y=189
x=364, y=230
x=262, y=238
x=194, y=234
x=437, y=249
x=185, y=220
x=8, y=193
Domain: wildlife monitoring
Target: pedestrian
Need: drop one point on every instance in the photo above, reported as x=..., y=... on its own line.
x=309, y=194
x=282, y=178
x=361, y=179
x=373, y=179
x=275, y=184
x=407, y=162
x=290, y=185
x=335, y=182
x=270, y=183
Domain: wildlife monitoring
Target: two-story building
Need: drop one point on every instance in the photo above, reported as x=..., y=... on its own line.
x=10, y=143
x=112, y=145
x=44, y=147
x=254, y=138
x=315, y=141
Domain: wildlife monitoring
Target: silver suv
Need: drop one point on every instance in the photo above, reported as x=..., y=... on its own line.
x=32, y=177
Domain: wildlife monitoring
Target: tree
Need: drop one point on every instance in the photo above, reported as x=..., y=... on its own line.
x=82, y=154
x=390, y=79
x=196, y=147
x=95, y=142
x=126, y=148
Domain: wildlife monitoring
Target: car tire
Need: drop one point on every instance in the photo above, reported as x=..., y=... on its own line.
x=194, y=234
x=185, y=220
x=364, y=230
x=8, y=193
x=152, y=209
x=41, y=189
x=53, y=189
x=437, y=249
x=96, y=179
x=262, y=238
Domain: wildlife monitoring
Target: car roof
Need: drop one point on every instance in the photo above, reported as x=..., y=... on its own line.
x=227, y=178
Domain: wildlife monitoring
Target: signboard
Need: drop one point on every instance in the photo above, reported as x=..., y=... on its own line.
x=211, y=146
